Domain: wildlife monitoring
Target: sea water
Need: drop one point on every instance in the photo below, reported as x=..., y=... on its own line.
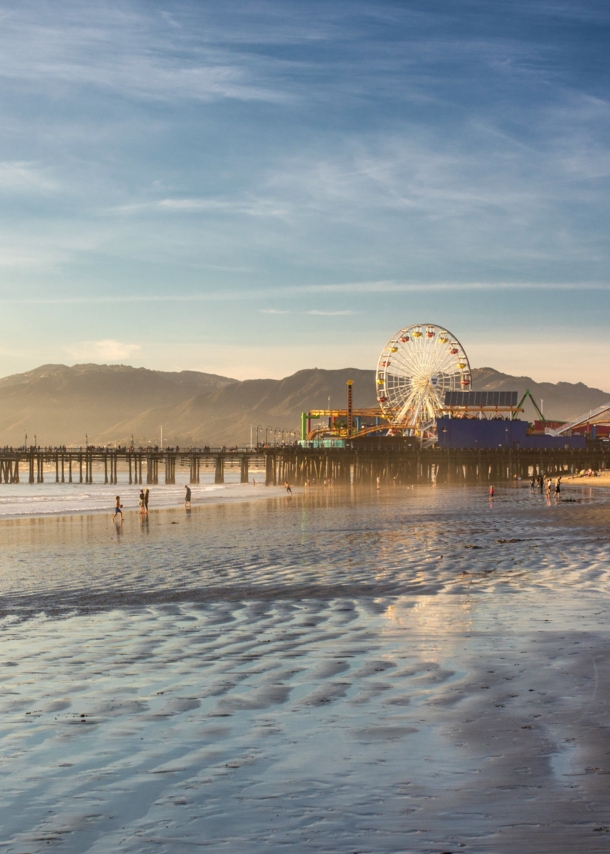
x=51, y=498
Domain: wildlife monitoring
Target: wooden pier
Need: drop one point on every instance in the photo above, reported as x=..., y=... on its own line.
x=296, y=465
x=142, y=466
x=428, y=465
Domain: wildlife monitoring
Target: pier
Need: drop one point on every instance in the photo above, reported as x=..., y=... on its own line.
x=391, y=463
x=143, y=466
x=410, y=466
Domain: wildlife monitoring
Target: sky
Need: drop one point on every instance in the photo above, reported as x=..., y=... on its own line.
x=253, y=188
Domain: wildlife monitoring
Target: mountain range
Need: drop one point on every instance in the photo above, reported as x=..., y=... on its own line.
x=111, y=403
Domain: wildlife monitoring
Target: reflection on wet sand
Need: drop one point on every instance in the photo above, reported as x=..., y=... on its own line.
x=408, y=671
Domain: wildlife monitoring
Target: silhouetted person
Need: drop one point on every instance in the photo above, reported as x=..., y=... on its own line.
x=118, y=509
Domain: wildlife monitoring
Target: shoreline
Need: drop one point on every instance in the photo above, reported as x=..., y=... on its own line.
x=238, y=493
x=224, y=494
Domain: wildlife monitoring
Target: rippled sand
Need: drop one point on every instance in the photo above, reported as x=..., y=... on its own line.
x=413, y=670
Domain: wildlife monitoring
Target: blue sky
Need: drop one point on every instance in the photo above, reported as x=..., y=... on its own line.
x=250, y=188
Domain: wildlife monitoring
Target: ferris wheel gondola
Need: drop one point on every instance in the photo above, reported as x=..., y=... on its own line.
x=416, y=367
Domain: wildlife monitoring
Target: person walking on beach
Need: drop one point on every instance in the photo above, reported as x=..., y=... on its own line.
x=491, y=492
x=118, y=509
x=288, y=489
x=558, y=489
x=187, y=496
x=146, y=497
x=141, y=502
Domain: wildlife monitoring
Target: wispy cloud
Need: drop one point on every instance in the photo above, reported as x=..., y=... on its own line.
x=432, y=287
x=23, y=176
x=329, y=313
x=247, y=207
x=132, y=54
x=107, y=350
x=292, y=291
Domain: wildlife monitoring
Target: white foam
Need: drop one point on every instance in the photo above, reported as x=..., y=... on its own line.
x=51, y=498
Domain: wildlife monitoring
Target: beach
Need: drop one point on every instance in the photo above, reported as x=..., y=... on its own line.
x=403, y=670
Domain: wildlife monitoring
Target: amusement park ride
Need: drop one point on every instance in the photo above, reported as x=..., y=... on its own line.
x=423, y=375
x=417, y=367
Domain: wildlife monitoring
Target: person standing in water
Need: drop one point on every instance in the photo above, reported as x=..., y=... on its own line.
x=187, y=496
x=491, y=492
x=118, y=509
x=146, y=497
x=141, y=502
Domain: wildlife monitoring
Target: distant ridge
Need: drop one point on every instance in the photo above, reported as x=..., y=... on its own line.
x=109, y=403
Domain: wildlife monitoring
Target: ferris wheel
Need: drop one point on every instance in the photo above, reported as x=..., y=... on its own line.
x=416, y=367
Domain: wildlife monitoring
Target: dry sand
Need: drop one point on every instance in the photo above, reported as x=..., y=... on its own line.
x=416, y=671
x=602, y=479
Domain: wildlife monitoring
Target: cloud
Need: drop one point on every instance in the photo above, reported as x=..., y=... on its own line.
x=431, y=287
x=107, y=350
x=273, y=311
x=290, y=291
x=24, y=176
x=329, y=313
x=45, y=245
x=133, y=55
x=246, y=207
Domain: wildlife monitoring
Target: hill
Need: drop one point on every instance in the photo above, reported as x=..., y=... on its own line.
x=561, y=401
x=110, y=403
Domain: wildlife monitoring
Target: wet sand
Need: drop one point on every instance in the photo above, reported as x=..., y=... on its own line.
x=410, y=671
x=70, y=499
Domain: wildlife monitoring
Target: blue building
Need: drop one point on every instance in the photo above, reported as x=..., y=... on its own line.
x=497, y=433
